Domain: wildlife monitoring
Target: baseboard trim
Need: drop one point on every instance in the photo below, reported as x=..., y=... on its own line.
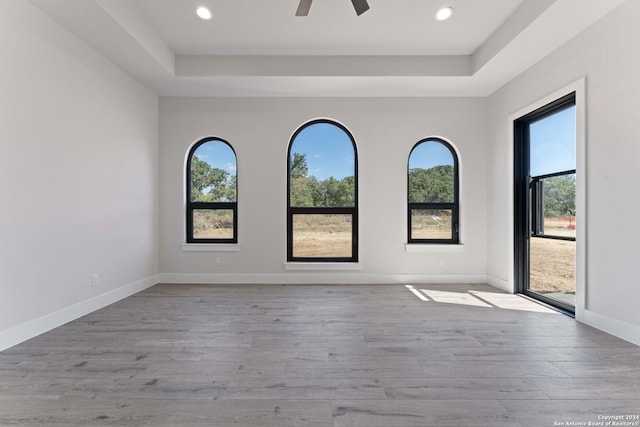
x=13, y=336
x=499, y=283
x=618, y=328
x=319, y=278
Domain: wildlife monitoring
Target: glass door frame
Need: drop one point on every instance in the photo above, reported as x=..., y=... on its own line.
x=523, y=209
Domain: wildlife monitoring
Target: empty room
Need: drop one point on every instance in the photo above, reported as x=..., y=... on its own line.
x=321, y=213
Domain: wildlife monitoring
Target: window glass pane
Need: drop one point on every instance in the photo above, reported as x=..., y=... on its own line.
x=213, y=173
x=431, y=224
x=431, y=174
x=322, y=167
x=322, y=235
x=553, y=143
x=559, y=198
x=213, y=224
x=552, y=267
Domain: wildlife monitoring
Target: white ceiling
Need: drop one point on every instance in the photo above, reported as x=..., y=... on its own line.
x=260, y=48
x=270, y=27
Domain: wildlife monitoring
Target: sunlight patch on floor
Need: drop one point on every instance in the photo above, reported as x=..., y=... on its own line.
x=459, y=298
x=416, y=292
x=511, y=302
x=479, y=299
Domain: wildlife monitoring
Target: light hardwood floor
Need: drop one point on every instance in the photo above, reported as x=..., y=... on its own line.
x=269, y=355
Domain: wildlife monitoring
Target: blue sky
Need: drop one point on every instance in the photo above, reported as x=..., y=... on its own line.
x=553, y=143
x=218, y=155
x=328, y=150
x=429, y=154
x=329, y=153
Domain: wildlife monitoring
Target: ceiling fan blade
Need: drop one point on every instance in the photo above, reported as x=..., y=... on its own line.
x=361, y=6
x=303, y=8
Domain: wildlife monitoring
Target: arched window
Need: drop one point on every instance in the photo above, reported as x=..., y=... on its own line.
x=212, y=209
x=433, y=198
x=322, y=194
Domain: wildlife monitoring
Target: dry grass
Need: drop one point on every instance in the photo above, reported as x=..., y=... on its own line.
x=431, y=233
x=322, y=236
x=314, y=244
x=214, y=233
x=213, y=224
x=553, y=266
x=427, y=224
x=561, y=226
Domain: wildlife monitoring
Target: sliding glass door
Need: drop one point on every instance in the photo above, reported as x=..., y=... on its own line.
x=545, y=203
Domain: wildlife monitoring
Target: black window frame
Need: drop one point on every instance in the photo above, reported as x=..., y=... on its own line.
x=346, y=210
x=454, y=206
x=193, y=206
x=536, y=187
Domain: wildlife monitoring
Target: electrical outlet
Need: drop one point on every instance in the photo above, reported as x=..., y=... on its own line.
x=218, y=260
x=442, y=263
x=95, y=279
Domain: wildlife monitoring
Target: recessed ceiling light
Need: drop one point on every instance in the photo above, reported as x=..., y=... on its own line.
x=203, y=13
x=444, y=13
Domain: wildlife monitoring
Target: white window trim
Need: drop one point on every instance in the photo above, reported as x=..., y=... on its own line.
x=433, y=247
x=322, y=266
x=210, y=247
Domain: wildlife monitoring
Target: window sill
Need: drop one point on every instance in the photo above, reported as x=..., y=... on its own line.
x=432, y=247
x=322, y=266
x=210, y=247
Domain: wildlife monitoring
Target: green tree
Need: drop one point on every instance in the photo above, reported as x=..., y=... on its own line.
x=208, y=184
x=299, y=168
x=307, y=190
x=231, y=186
x=332, y=192
x=218, y=189
x=300, y=189
x=431, y=185
x=559, y=195
x=199, y=178
x=346, y=192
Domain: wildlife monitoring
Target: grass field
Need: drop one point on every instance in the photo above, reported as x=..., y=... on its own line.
x=561, y=226
x=214, y=233
x=322, y=236
x=212, y=224
x=553, y=266
x=430, y=224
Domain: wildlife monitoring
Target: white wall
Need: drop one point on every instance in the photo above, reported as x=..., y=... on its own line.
x=385, y=130
x=78, y=177
x=607, y=54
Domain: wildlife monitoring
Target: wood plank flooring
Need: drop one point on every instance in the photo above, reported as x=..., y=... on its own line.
x=320, y=356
